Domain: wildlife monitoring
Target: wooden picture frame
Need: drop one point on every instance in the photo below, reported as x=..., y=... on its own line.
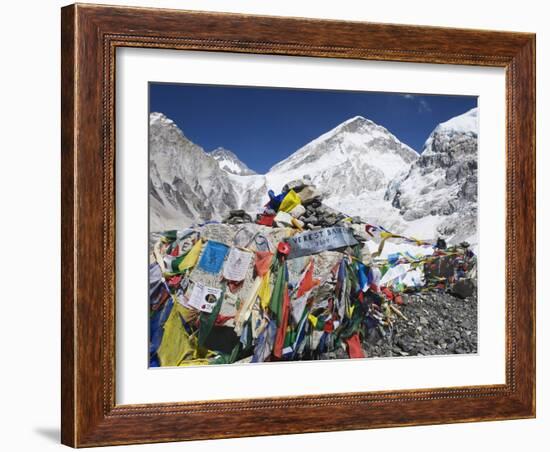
x=90, y=36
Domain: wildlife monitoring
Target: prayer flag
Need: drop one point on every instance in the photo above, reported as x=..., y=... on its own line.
x=204, y=298
x=290, y=201
x=354, y=347
x=237, y=265
x=281, y=332
x=265, y=290
x=263, y=262
x=189, y=260
x=212, y=258
x=176, y=344
x=308, y=282
x=277, y=295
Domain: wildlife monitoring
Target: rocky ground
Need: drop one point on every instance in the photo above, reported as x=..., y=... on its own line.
x=438, y=324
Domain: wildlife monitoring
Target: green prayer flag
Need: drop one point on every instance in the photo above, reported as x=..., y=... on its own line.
x=276, y=304
x=207, y=320
x=176, y=262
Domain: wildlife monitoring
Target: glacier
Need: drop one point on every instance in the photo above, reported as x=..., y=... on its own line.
x=359, y=167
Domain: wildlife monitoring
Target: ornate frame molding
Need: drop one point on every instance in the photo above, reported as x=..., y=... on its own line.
x=90, y=37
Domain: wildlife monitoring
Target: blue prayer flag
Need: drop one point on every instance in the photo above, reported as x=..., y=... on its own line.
x=213, y=256
x=363, y=277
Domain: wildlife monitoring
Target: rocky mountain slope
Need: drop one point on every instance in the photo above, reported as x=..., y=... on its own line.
x=359, y=167
x=186, y=184
x=442, y=183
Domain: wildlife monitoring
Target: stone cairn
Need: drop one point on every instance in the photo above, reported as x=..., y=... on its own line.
x=311, y=214
x=237, y=216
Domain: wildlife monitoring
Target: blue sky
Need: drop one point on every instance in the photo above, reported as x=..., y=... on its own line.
x=262, y=126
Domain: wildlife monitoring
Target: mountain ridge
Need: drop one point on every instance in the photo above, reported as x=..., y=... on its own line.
x=443, y=181
x=359, y=167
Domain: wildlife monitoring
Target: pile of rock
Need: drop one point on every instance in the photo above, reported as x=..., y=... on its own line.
x=238, y=216
x=318, y=215
x=309, y=214
x=437, y=324
x=314, y=214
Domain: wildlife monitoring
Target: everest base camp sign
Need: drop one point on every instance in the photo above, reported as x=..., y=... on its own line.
x=313, y=242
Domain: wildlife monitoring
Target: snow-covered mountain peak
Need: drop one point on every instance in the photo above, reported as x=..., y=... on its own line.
x=159, y=123
x=358, y=168
x=442, y=183
x=186, y=183
x=354, y=123
x=229, y=162
x=355, y=138
x=357, y=125
x=465, y=124
x=157, y=117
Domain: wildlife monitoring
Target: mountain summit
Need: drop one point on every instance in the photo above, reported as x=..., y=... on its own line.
x=351, y=165
x=186, y=184
x=229, y=162
x=462, y=126
x=356, y=137
x=359, y=167
x=442, y=183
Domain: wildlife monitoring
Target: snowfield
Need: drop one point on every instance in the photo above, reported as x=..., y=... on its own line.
x=359, y=167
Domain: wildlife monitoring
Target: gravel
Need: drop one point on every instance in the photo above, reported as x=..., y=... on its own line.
x=438, y=324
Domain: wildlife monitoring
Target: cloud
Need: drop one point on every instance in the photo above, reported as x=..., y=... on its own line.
x=422, y=104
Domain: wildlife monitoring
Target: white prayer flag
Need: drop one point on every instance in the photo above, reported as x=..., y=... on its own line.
x=204, y=298
x=237, y=265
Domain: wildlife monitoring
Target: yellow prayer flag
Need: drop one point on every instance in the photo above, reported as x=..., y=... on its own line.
x=190, y=260
x=246, y=308
x=265, y=291
x=195, y=362
x=290, y=201
x=178, y=348
x=176, y=344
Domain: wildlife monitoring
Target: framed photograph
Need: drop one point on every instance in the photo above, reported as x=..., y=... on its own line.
x=266, y=219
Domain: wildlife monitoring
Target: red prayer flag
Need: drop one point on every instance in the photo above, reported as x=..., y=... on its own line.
x=307, y=282
x=235, y=286
x=174, y=281
x=221, y=319
x=266, y=220
x=354, y=347
x=388, y=293
x=281, y=332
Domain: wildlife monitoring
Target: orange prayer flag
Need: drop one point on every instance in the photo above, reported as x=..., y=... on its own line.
x=263, y=262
